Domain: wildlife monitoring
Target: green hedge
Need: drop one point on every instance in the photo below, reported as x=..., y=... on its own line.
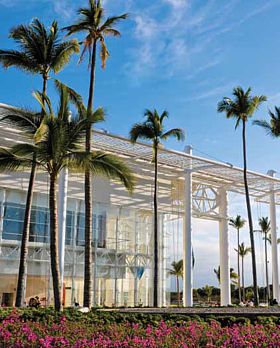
x=49, y=315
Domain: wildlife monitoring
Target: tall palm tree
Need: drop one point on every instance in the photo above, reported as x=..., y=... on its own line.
x=177, y=271
x=60, y=146
x=92, y=23
x=238, y=223
x=243, y=251
x=264, y=224
x=153, y=129
x=40, y=51
x=233, y=276
x=241, y=108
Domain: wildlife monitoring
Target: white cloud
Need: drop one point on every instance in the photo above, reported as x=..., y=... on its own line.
x=173, y=35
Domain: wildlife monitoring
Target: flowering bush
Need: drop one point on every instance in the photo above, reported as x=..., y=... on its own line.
x=62, y=332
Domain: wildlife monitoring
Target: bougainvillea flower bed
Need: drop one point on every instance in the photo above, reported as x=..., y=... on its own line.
x=14, y=332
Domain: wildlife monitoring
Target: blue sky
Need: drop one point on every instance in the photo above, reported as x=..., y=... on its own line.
x=179, y=55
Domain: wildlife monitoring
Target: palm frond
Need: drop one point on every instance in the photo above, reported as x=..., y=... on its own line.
x=175, y=132
x=112, y=32
x=23, y=119
x=113, y=21
x=141, y=131
x=10, y=162
x=104, y=53
x=103, y=164
x=73, y=96
x=42, y=99
x=63, y=53
x=21, y=60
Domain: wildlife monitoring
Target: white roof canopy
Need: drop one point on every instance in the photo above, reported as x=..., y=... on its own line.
x=172, y=166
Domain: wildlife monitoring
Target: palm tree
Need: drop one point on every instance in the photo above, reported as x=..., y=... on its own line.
x=96, y=28
x=208, y=289
x=60, y=146
x=243, y=251
x=177, y=271
x=153, y=129
x=233, y=276
x=238, y=223
x=241, y=108
x=41, y=51
x=264, y=224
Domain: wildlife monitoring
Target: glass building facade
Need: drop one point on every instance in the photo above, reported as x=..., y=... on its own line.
x=122, y=252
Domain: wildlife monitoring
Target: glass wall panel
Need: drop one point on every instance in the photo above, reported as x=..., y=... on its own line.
x=13, y=223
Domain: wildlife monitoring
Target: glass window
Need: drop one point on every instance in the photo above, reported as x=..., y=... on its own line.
x=69, y=227
x=13, y=223
x=81, y=229
x=98, y=226
x=39, y=226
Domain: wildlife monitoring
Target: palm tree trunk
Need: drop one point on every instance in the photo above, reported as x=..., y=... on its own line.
x=88, y=195
x=54, y=242
x=250, y=220
x=178, y=290
x=238, y=264
x=266, y=270
x=22, y=272
x=243, y=285
x=156, y=304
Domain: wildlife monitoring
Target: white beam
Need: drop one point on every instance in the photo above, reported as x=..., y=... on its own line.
x=224, y=249
x=187, y=240
x=274, y=251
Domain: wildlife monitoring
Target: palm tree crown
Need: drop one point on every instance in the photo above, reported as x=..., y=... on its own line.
x=243, y=250
x=237, y=222
x=97, y=28
x=153, y=129
x=264, y=224
x=177, y=268
x=242, y=106
x=40, y=49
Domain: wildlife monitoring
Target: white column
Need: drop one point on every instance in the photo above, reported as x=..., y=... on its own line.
x=136, y=263
x=164, y=264
x=160, y=259
x=62, y=212
x=95, y=245
x=74, y=243
x=274, y=251
x=187, y=240
x=224, y=249
x=148, y=268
